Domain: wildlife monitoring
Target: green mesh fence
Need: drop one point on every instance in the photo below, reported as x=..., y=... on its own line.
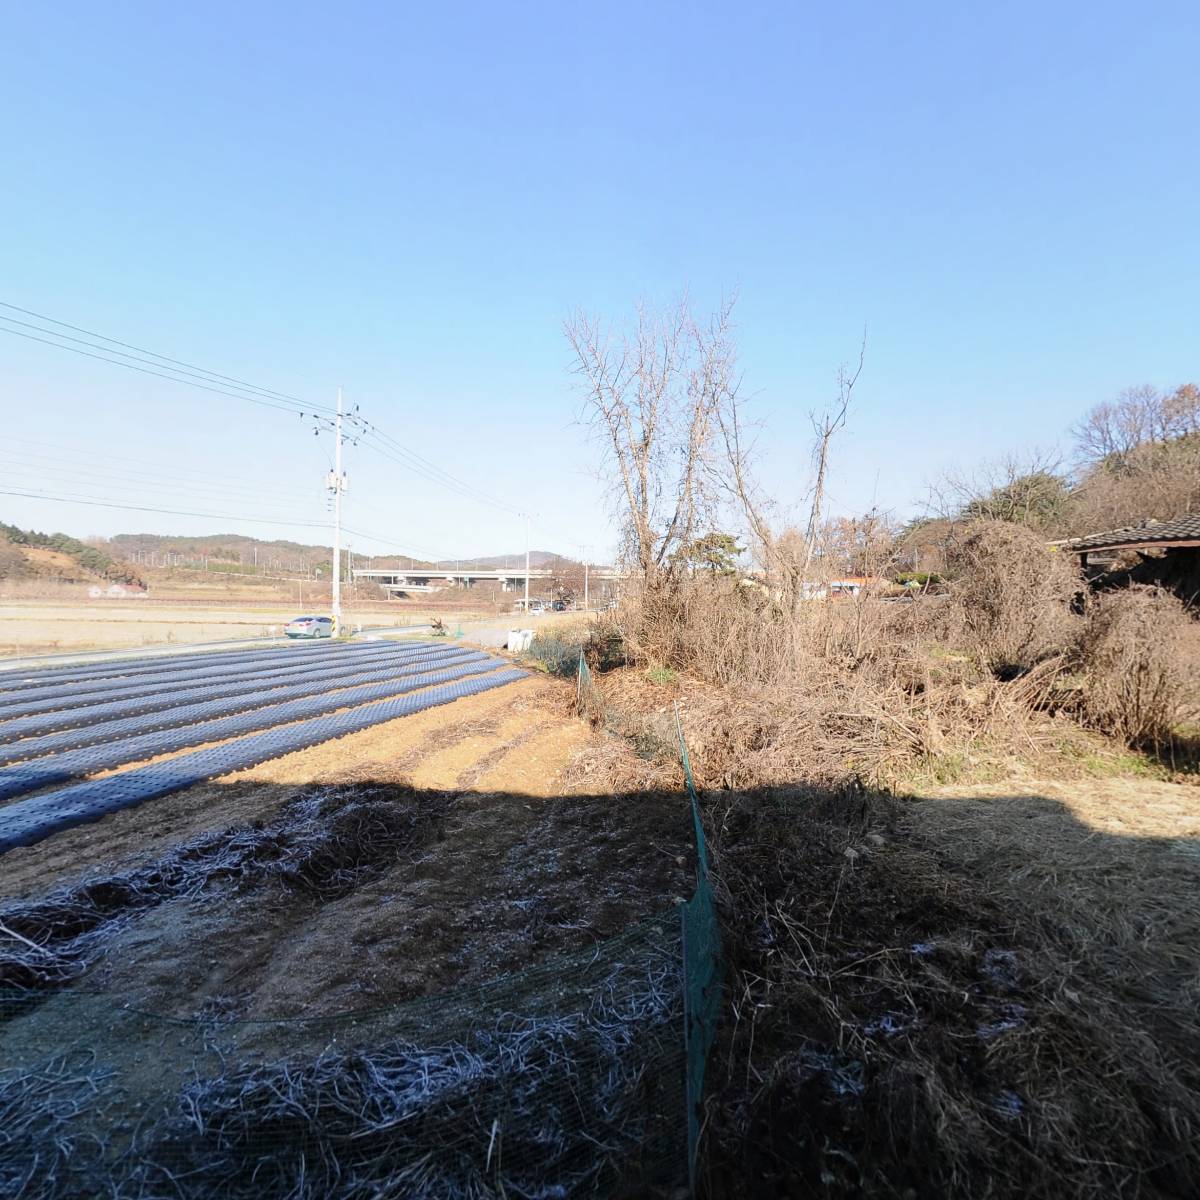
x=588, y=701
x=700, y=934
x=702, y=969
x=580, y=1076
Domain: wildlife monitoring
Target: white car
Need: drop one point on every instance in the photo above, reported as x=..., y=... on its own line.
x=309, y=627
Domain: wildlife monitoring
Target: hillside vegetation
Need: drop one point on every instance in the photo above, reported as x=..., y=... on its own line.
x=29, y=554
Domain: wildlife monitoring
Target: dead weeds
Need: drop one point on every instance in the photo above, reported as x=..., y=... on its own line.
x=1007, y=1012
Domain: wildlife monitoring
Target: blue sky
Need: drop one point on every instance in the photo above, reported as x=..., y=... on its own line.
x=408, y=200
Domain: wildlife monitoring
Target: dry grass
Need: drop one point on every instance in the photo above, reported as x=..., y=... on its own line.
x=1013, y=596
x=952, y=998
x=988, y=996
x=869, y=694
x=879, y=690
x=1140, y=659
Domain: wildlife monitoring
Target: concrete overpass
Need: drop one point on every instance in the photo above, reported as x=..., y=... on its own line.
x=430, y=579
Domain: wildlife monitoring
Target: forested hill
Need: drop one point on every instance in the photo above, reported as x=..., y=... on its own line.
x=28, y=553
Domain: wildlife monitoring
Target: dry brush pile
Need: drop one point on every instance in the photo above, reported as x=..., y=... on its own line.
x=878, y=689
x=955, y=1001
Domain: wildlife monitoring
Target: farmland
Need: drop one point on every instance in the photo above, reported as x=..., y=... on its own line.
x=40, y=627
x=330, y=855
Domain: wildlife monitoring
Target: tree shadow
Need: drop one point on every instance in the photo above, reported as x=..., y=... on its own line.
x=960, y=996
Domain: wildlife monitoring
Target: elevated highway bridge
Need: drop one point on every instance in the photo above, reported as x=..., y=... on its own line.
x=430, y=579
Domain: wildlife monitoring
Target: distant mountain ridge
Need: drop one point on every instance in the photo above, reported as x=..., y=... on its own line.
x=126, y=555
x=499, y=562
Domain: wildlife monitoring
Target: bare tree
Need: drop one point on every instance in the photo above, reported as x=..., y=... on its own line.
x=653, y=395
x=1023, y=489
x=1182, y=411
x=1111, y=432
x=784, y=553
x=1140, y=459
x=825, y=426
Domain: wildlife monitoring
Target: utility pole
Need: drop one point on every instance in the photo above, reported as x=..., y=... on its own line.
x=337, y=485
x=586, y=555
x=528, y=538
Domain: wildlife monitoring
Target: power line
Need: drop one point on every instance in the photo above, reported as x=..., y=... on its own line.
x=426, y=550
x=89, y=454
x=269, y=392
x=188, y=374
x=389, y=447
x=93, y=503
x=144, y=480
x=104, y=492
x=145, y=371
x=423, y=551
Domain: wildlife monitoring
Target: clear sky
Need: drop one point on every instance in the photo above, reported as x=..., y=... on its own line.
x=408, y=199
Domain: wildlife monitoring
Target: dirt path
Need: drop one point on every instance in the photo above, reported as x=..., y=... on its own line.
x=1080, y=809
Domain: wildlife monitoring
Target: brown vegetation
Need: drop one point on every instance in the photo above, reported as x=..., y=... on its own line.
x=952, y=998
x=1013, y=596
x=961, y=997
x=1140, y=658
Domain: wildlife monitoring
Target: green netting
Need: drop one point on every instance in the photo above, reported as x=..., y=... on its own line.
x=580, y=1076
x=588, y=701
x=701, y=940
x=702, y=968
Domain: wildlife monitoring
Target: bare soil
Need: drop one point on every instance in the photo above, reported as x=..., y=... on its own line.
x=456, y=851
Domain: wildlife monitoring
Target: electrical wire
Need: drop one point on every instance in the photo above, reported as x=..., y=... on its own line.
x=91, y=502
x=149, y=362
x=89, y=455
x=143, y=370
x=176, y=362
x=143, y=482
x=406, y=548
x=390, y=448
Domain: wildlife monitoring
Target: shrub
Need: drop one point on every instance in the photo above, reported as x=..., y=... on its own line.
x=1139, y=655
x=1013, y=596
x=557, y=651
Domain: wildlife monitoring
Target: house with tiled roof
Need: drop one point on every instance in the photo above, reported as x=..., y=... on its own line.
x=1168, y=554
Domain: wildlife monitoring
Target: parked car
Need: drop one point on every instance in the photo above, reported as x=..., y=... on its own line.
x=560, y=606
x=309, y=627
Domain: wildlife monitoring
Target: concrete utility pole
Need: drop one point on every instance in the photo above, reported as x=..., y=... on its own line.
x=586, y=555
x=337, y=485
x=528, y=538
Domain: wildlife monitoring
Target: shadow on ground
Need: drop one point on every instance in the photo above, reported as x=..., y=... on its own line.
x=953, y=997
